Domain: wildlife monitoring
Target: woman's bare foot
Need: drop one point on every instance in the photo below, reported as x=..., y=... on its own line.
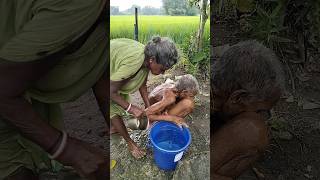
x=136, y=151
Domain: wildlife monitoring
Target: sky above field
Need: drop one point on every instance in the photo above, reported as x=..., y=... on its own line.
x=126, y=4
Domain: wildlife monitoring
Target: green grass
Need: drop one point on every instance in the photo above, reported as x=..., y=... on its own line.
x=178, y=28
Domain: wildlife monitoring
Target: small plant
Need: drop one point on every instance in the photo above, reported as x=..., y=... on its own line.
x=303, y=18
x=267, y=25
x=198, y=61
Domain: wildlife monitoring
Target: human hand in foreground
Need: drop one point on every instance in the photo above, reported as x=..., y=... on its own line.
x=87, y=160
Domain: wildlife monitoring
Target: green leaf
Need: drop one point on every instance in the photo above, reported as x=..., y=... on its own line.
x=261, y=12
x=276, y=11
x=56, y=166
x=198, y=57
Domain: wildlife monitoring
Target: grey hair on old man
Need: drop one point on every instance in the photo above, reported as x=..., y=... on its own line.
x=248, y=65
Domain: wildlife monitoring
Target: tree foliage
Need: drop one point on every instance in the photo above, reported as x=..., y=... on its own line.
x=178, y=8
x=114, y=10
x=203, y=6
x=148, y=10
x=199, y=51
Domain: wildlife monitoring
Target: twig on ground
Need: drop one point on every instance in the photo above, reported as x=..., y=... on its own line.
x=258, y=174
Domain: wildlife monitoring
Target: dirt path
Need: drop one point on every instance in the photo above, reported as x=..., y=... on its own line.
x=295, y=144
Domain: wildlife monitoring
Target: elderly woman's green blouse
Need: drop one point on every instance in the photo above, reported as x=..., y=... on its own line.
x=126, y=61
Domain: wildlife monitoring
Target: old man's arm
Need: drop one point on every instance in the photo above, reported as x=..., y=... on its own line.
x=168, y=99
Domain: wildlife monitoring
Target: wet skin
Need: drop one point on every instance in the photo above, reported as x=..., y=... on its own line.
x=117, y=124
x=169, y=104
x=243, y=135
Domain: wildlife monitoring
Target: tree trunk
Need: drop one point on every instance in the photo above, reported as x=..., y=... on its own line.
x=203, y=20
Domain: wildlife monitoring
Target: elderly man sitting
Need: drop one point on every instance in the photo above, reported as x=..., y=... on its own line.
x=245, y=84
x=173, y=101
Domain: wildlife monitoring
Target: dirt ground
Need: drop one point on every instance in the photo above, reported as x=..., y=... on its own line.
x=195, y=162
x=295, y=125
x=83, y=120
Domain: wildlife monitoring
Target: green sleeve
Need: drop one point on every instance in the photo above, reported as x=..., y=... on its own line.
x=52, y=25
x=127, y=57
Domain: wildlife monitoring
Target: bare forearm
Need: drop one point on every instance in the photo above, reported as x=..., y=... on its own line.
x=114, y=95
x=144, y=94
x=119, y=100
x=101, y=91
x=157, y=107
x=19, y=112
x=168, y=99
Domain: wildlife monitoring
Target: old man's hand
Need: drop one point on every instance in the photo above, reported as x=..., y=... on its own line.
x=180, y=122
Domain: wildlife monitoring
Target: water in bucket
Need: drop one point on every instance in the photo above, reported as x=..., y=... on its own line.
x=169, y=140
x=169, y=143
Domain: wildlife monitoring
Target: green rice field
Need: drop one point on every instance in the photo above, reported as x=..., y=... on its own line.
x=178, y=28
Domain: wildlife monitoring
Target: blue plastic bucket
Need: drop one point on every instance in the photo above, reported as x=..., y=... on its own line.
x=169, y=142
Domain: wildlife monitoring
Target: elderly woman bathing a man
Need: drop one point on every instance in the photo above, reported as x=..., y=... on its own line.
x=130, y=63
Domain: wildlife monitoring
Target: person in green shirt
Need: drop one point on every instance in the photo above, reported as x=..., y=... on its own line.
x=130, y=64
x=51, y=52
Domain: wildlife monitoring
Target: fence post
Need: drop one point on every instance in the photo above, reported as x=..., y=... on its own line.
x=136, y=25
